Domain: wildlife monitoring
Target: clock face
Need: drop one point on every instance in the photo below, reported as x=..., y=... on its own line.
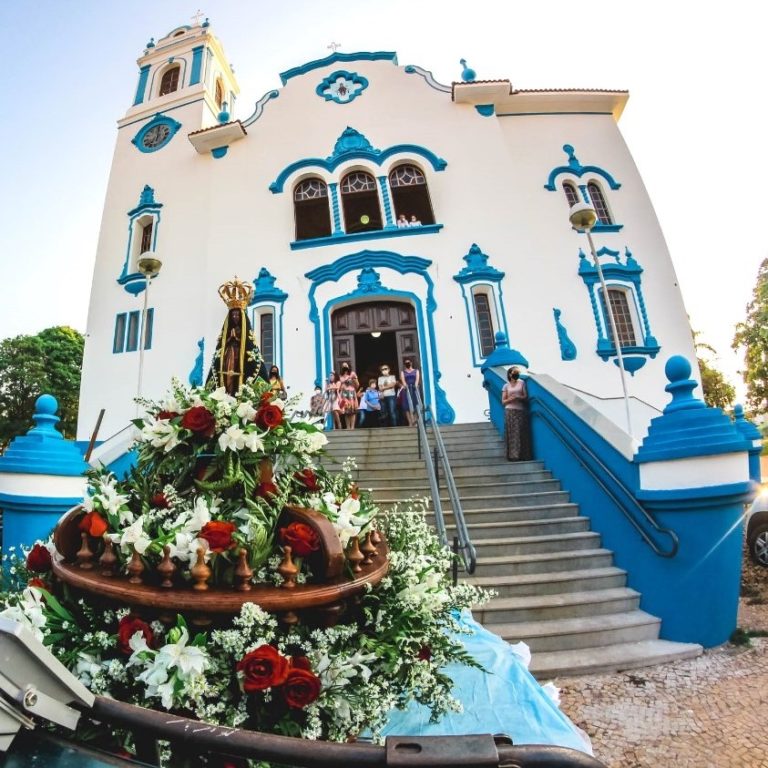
x=155, y=136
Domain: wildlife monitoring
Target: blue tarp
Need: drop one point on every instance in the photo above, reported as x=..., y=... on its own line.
x=505, y=698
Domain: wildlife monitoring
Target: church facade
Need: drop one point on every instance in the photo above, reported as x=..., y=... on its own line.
x=381, y=216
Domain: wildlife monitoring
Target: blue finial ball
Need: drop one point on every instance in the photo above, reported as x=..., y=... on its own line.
x=738, y=411
x=46, y=405
x=677, y=368
x=501, y=338
x=467, y=74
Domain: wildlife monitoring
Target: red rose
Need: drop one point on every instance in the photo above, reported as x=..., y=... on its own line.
x=425, y=653
x=269, y=416
x=301, y=662
x=39, y=583
x=94, y=525
x=160, y=501
x=266, y=398
x=301, y=687
x=39, y=559
x=164, y=415
x=127, y=628
x=308, y=479
x=218, y=534
x=263, y=668
x=300, y=538
x=200, y=421
x=266, y=489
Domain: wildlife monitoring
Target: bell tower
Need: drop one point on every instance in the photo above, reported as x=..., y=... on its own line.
x=186, y=66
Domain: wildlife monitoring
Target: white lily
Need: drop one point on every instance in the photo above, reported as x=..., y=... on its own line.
x=188, y=659
x=246, y=411
x=253, y=442
x=133, y=535
x=232, y=439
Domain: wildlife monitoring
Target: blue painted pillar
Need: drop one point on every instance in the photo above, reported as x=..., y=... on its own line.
x=197, y=64
x=694, y=478
x=755, y=438
x=142, y=86
x=334, y=187
x=41, y=477
x=389, y=222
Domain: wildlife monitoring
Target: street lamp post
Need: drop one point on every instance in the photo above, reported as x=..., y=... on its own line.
x=583, y=217
x=149, y=267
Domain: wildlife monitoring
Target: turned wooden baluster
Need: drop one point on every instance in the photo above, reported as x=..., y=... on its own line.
x=108, y=559
x=355, y=556
x=135, y=568
x=368, y=550
x=287, y=569
x=166, y=568
x=85, y=554
x=375, y=537
x=243, y=572
x=200, y=572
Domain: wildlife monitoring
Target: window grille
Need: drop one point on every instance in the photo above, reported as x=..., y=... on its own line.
x=484, y=324
x=170, y=81
x=598, y=203
x=571, y=195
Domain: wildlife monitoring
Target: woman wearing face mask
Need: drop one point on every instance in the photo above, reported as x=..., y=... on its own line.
x=276, y=383
x=516, y=427
x=348, y=395
x=409, y=377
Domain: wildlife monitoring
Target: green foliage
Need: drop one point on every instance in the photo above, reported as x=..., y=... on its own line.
x=752, y=335
x=718, y=392
x=48, y=363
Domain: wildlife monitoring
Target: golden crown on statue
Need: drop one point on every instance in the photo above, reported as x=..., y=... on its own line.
x=236, y=294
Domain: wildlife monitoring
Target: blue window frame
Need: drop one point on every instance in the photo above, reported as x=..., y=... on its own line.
x=128, y=329
x=118, y=344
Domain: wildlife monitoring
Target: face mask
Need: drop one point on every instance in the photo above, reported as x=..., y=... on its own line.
x=514, y=376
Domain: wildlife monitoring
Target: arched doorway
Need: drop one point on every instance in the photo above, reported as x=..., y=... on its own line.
x=376, y=332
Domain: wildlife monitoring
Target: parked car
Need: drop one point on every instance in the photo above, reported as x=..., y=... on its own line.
x=757, y=529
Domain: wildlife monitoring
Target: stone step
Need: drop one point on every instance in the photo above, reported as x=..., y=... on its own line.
x=544, y=562
x=530, y=545
x=583, y=632
x=550, y=527
x=490, y=472
x=567, y=605
x=552, y=583
x=511, y=515
x=514, y=494
x=612, y=658
x=491, y=503
x=465, y=485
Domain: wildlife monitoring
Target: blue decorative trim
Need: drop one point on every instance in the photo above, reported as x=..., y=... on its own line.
x=219, y=152
x=692, y=499
x=575, y=168
x=157, y=120
x=477, y=268
x=43, y=450
x=375, y=234
x=337, y=230
x=627, y=276
x=134, y=282
x=387, y=202
x=607, y=227
x=567, y=347
x=195, y=377
x=141, y=88
x=486, y=110
x=404, y=265
x=503, y=355
x=259, y=108
x=147, y=202
x=353, y=145
x=412, y=69
x=326, y=90
x=333, y=59
x=467, y=73
x=197, y=64
x=264, y=289
x=40, y=504
x=632, y=364
x=687, y=427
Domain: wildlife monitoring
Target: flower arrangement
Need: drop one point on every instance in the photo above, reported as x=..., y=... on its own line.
x=200, y=486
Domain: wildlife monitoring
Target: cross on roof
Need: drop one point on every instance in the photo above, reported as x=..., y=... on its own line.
x=196, y=18
x=334, y=46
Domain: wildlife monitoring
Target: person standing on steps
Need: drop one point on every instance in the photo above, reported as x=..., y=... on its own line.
x=348, y=395
x=410, y=378
x=517, y=429
x=332, y=400
x=387, y=395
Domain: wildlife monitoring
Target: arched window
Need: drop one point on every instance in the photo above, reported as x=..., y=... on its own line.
x=170, y=81
x=622, y=316
x=219, y=97
x=310, y=205
x=484, y=318
x=142, y=238
x=410, y=194
x=571, y=195
x=598, y=203
x=360, y=202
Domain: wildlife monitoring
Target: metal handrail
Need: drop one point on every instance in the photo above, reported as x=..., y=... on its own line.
x=558, y=426
x=466, y=548
x=192, y=739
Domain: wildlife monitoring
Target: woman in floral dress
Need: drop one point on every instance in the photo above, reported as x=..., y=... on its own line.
x=348, y=395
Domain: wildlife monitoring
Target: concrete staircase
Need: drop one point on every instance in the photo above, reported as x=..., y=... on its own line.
x=558, y=589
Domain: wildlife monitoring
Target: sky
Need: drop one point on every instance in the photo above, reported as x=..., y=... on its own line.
x=695, y=120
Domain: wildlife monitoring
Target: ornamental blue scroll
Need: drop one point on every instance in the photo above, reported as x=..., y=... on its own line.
x=160, y=129
x=195, y=377
x=135, y=282
x=627, y=276
x=369, y=284
x=478, y=273
x=567, y=347
x=266, y=293
x=341, y=87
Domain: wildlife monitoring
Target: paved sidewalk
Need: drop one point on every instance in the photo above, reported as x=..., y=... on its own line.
x=709, y=712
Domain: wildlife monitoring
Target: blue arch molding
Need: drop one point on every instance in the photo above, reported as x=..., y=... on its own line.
x=575, y=168
x=412, y=69
x=353, y=145
x=158, y=119
x=266, y=293
x=626, y=275
x=404, y=265
x=335, y=58
x=324, y=89
x=258, y=110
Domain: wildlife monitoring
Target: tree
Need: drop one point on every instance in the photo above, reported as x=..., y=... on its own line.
x=718, y=391
x=752, y=335
x=30, y=366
